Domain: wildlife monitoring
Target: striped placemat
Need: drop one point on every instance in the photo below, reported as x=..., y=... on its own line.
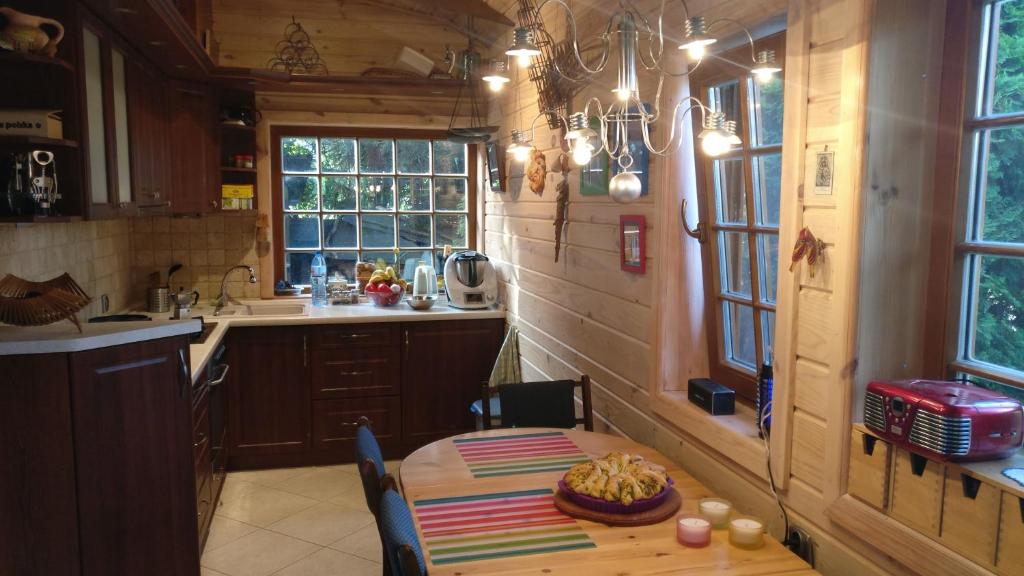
x=485, y=526
x=519, y=454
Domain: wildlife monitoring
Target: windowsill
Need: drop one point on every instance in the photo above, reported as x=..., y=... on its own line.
x=734, y=436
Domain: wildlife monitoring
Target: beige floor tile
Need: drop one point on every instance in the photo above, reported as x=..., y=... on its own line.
x=258, y=554
x=224, y=530
x=210, y=572
x=364, y=543
x=347, y=468
x=353, y=497
x=323, y=524
x=329, y=562
x=259, y=505
x=321, y=483
x=268, y=477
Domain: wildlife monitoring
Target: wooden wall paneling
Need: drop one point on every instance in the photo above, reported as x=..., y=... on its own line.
x=823, y=120
x=816, y=334
x=825, y=68
x=809, y=448
x=811, y=380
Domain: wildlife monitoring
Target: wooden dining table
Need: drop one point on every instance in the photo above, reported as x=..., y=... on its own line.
x=436, y=480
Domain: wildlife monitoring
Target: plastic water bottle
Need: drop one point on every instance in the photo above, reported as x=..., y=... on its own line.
x=318, y=280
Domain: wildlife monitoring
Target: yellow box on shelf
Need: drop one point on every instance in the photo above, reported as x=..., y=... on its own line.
x=236, y=190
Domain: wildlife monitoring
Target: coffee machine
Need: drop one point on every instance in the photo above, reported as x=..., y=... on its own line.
x=28, y=183
x=470, y=280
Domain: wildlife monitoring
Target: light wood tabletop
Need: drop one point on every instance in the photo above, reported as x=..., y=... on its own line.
x=438, y=471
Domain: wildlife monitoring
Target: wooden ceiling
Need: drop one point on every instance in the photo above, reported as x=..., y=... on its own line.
x=350, y=35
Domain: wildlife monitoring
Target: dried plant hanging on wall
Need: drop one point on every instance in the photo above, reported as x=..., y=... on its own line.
x=561, y=201
x=552, y=71
x=296, y=53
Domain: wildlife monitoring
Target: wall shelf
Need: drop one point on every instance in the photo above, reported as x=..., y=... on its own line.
x=8, y=57
x=38, y=219
x=37, y=141
x=239, y=170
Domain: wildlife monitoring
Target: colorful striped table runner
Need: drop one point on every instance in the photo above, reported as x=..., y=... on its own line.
x=467, y=528
x=519, y=454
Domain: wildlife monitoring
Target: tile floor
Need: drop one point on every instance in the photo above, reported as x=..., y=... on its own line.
x=308, y=521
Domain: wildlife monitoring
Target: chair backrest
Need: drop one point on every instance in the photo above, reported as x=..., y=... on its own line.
x=540, y=404
x=367, y=446
x=401, y=543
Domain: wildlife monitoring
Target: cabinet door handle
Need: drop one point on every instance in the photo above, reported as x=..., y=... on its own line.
x=353, y=336
x=218, y=380
x=213, y=203
x=354, y=424
x=185, y=376
x=305, y=350
x=406, y=338
x=202, y=440
x=362, y=373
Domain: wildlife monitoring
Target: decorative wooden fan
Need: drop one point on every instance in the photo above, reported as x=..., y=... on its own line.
x=26, y=303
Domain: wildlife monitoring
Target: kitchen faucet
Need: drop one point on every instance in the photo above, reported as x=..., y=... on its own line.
x=223, y=298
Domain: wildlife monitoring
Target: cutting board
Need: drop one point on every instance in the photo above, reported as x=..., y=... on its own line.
x=663, y=511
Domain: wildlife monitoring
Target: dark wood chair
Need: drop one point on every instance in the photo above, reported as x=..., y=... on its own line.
x=539, y=404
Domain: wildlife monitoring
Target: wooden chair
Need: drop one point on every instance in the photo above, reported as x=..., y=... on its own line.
x=401, y=544
x=539, y=404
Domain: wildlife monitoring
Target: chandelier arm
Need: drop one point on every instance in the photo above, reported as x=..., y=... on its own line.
x=651, y=35
x=575, y=41
x=750, y=38
x=673, y=143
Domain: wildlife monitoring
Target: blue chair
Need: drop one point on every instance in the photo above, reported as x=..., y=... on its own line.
x=400, y=541
x=370, y=463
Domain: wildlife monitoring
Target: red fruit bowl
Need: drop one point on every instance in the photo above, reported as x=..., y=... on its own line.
x=384, y=297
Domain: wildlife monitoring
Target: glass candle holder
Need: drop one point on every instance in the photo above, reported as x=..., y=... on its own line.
x=746, y=532
x=693, y=530
x=716, y=510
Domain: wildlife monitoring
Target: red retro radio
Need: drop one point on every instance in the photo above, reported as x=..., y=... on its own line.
x=944, y=420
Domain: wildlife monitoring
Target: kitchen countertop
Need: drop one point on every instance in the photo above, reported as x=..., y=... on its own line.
x=336, y=314
x=64, y=337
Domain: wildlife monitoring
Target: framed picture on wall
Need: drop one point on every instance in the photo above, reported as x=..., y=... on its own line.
x=594, y=175
x=496, y=166
x=637, y=149
x=633, y=243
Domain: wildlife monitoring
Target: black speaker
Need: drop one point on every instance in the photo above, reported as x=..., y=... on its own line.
x=713, y=397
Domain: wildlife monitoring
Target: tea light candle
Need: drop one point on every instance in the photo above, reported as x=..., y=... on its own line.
x=716, y=510
x=746, y=532
x=693, y=530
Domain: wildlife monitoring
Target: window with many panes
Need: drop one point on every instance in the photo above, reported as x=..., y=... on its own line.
x=988, y=267
x=368, y=197
x=740, y=199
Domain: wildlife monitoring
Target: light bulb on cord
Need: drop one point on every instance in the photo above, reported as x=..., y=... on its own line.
x=520, y=153
x=764, y=76
x=582, y=152
x=623, y=94
x=523, y=60
x=495, y=85
x=695, y=51
x=765, y=66
x=715, y=143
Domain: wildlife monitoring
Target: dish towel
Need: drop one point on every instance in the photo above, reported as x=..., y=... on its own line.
x=486, y=526
x=506, y=368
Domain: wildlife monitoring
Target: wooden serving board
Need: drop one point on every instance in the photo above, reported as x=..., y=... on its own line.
x=653, y=516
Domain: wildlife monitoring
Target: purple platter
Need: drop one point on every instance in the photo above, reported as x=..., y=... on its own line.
x=601, y=505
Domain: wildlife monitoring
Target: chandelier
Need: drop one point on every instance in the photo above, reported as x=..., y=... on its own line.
x=640, y=44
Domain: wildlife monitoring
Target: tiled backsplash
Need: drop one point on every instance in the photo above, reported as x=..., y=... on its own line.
x=98, y=255
x=206, y=247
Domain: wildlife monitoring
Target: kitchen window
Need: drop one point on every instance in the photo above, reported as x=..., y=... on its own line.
x=395, y=197
x=985, y=333
x=740, y=197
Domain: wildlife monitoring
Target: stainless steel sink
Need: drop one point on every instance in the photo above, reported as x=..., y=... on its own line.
x=265, y=309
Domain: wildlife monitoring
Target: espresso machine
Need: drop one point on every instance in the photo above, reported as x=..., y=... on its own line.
x=28, y=183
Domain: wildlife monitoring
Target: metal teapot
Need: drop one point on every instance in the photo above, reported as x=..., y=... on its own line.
x=183, y=303
x=24, y=32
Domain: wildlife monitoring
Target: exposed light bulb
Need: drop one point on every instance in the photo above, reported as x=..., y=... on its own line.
x=523, y=60
x=715, y=143
x=521, y=153
x=764, y=76
x=623, y=93
x=495, y=85
x=582, y=152
x=695, y=51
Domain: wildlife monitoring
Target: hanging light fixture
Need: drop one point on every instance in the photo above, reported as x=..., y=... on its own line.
x=523, y=48
x=497, y=77
x=641, y=42
x=463, y=66
x=521, y=146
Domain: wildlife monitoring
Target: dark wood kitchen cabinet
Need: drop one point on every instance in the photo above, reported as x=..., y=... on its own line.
x=194, y=150
x=132, y=414
x=268, y=393
x=148, y=133
x=98, y=475
x=443, y=364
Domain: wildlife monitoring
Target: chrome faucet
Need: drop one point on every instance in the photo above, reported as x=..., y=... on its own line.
x=223, y=298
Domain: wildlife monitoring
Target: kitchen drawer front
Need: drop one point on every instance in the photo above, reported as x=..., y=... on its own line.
x=970, y=517
x=1010, y=551
x=334, y=422
x=869, y=469
x=355, y=373
x=201, y=447
x=349, y=336
x=916, y=495
x=204, y=507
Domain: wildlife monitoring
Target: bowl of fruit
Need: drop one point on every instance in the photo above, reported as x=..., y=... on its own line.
x=385, y=288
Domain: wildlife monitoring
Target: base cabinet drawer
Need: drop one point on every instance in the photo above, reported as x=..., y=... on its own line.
x=351, y=336
x=870, y=461
x=970, y=517
x=335, y=422
x=355, y=373
x=916, y=493
x=1010, y=551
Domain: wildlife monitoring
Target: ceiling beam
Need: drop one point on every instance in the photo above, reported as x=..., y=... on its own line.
x=444, y=13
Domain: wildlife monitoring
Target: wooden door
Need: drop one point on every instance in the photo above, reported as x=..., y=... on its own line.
x=443, y=365
x=147, y=120
x=268, y=391
x=132, y=414
x=193, y=149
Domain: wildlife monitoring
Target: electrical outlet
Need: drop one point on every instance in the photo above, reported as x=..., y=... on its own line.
x=799, y=542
